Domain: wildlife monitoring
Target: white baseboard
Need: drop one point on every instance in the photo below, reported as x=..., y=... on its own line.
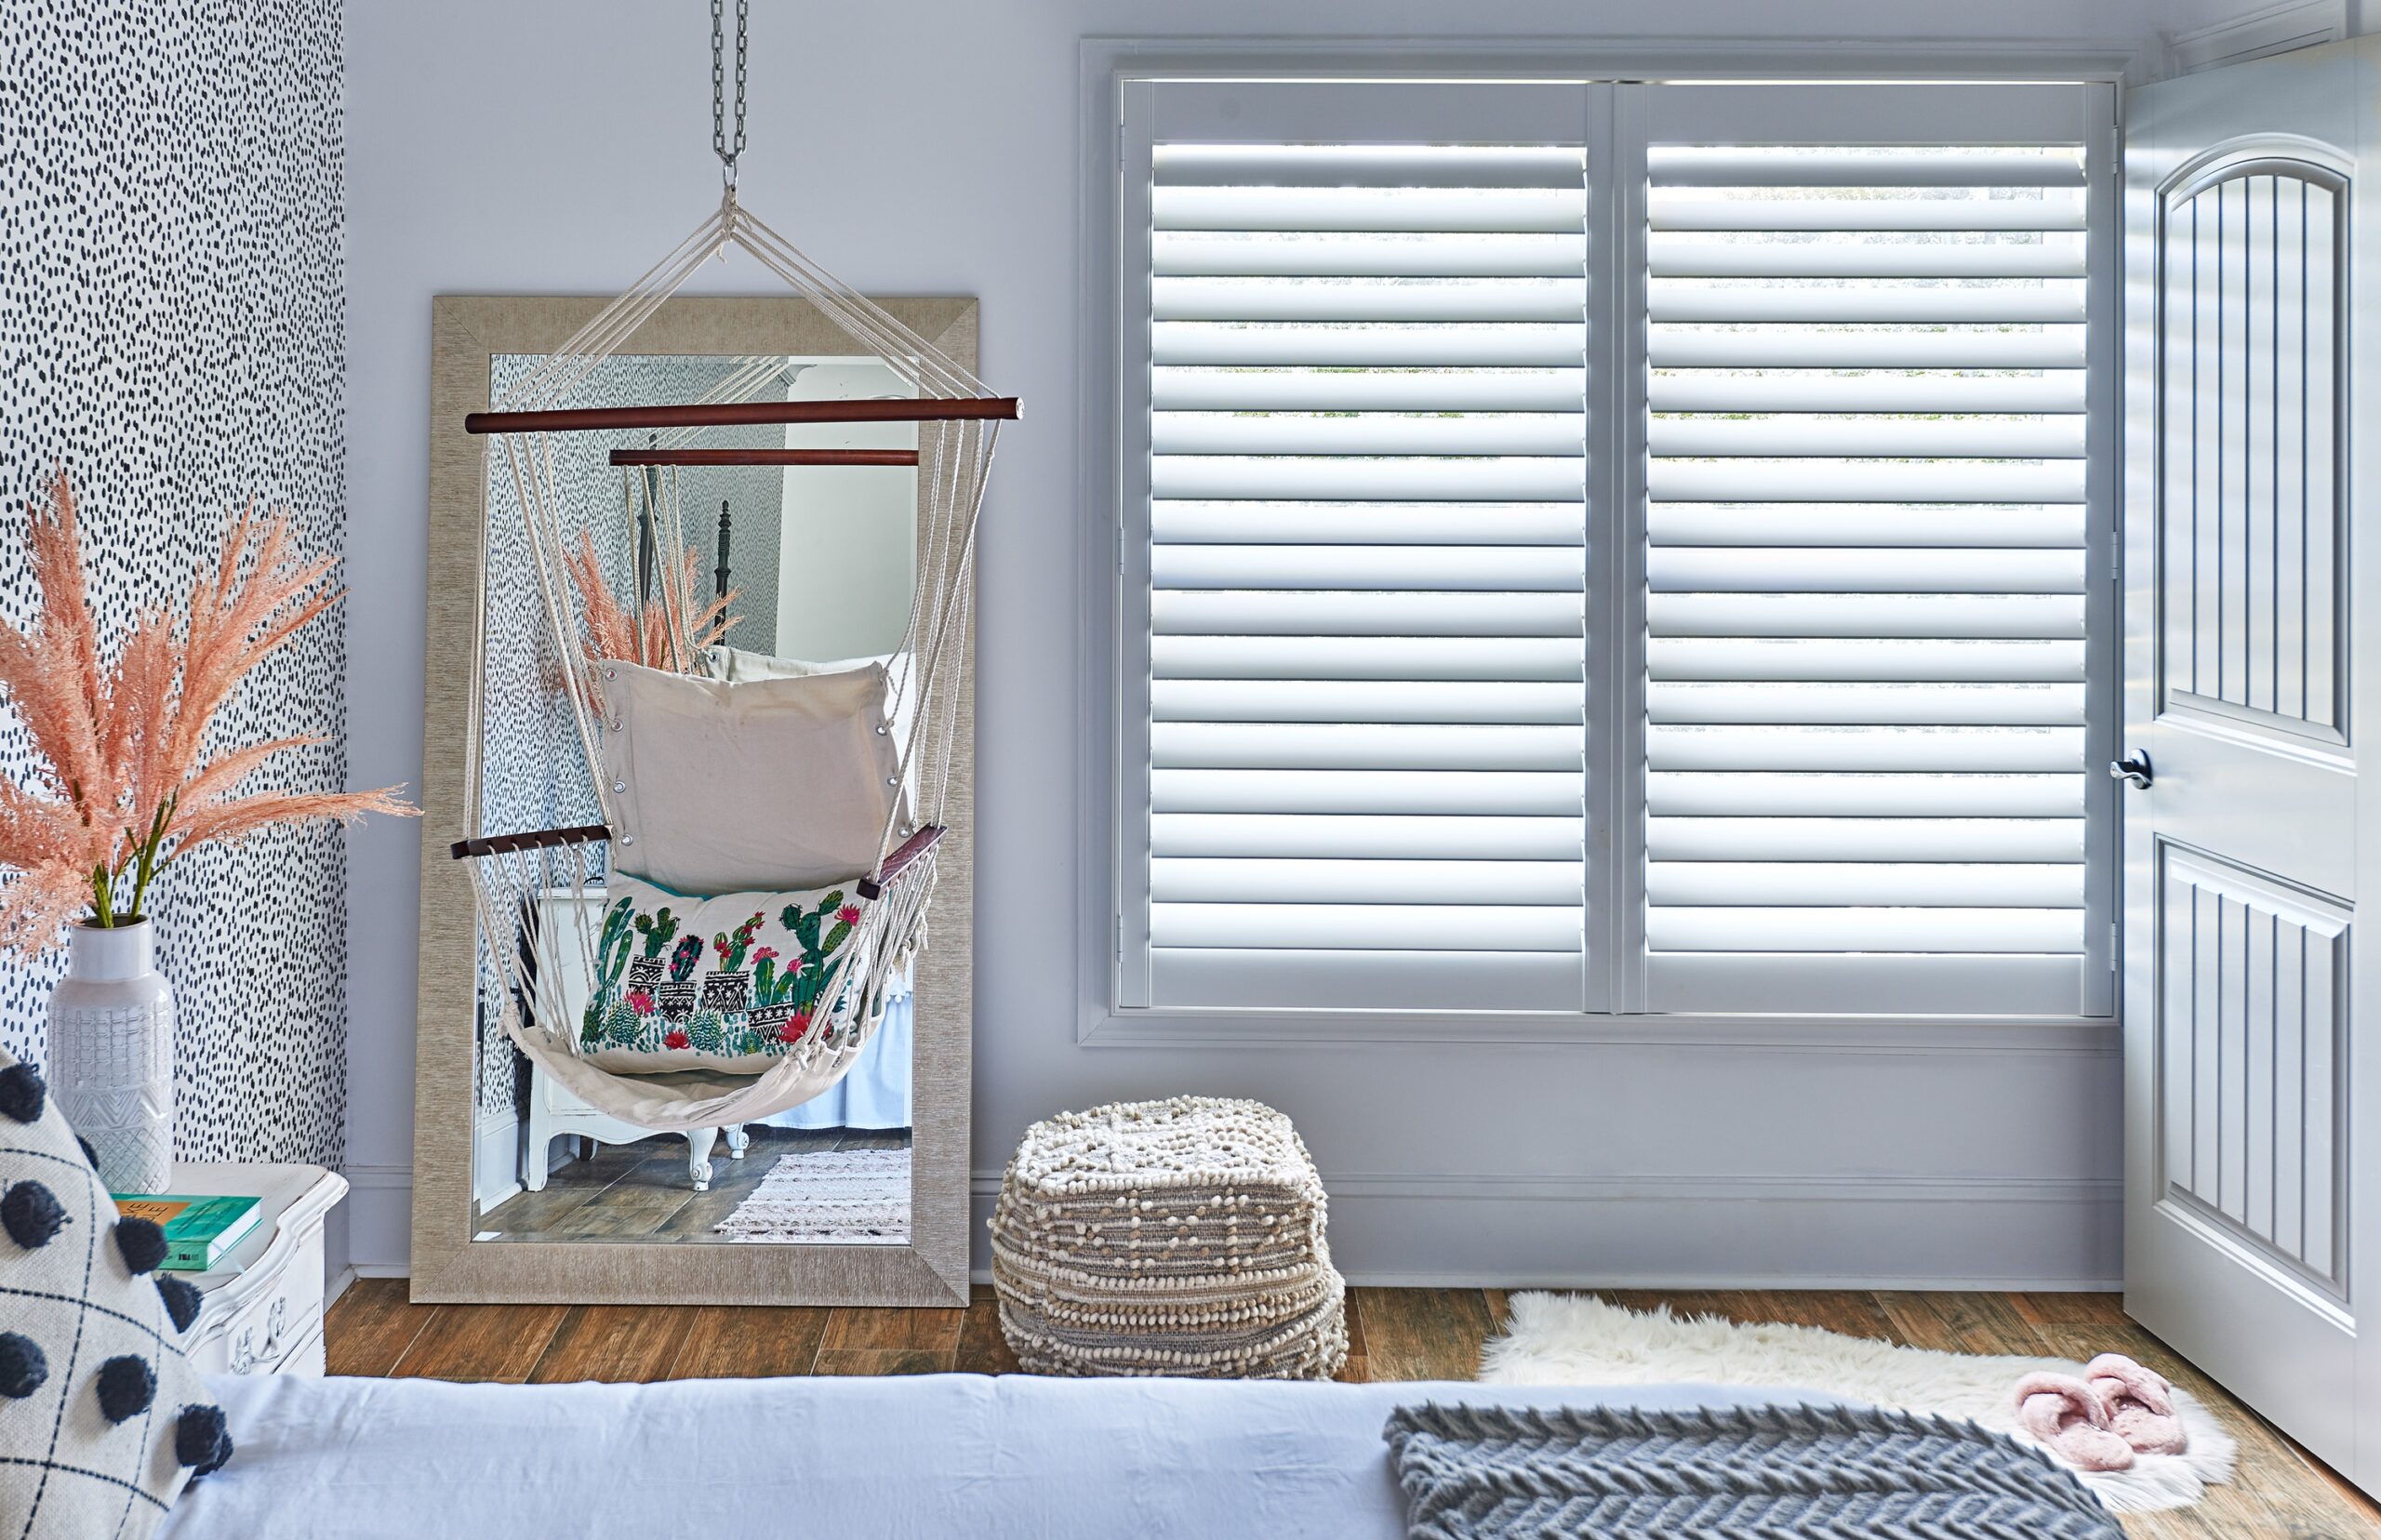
x=1768, y=1231
x=983, y=1278
x=1392, y=1230
x=496, y=1158
x=380, y=1219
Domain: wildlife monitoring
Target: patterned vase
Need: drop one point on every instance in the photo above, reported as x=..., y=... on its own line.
x=112, y=1055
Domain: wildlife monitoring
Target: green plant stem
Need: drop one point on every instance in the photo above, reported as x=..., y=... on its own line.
x=103, y=900
x=149, y=866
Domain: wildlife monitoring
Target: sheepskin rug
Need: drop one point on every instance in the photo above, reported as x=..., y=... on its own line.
x=1571, y=1340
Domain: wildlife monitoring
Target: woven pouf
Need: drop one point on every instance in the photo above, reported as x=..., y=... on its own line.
x=1180, y=1237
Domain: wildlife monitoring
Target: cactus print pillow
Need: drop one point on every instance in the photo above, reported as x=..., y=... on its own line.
x=726, y=984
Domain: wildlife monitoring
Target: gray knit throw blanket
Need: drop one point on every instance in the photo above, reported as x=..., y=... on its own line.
x=1728, y=1473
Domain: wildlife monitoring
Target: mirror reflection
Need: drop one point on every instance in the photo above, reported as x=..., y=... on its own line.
x=742, y=572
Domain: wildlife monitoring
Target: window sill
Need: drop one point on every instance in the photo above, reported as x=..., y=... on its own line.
x=2092, y=1036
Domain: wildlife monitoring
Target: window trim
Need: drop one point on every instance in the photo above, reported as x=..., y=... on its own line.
x=1105, y=67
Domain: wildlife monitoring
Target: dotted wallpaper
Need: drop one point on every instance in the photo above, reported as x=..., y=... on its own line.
x=172, y=331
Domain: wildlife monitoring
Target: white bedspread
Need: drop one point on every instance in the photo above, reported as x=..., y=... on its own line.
x=841, y=1459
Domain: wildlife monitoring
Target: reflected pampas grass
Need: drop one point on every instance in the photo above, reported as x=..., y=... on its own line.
x=649, y=637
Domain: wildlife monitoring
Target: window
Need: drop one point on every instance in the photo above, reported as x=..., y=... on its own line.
x=1596, y=549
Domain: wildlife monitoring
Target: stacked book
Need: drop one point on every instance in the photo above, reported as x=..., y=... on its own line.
x=200, y=1232
x=1180, y=1237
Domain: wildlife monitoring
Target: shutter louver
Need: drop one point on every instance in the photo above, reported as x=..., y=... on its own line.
x=1866, y=519
x=1366, y=692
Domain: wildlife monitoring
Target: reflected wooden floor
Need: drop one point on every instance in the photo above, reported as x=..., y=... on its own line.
x=641, y=1192
x=2280, y=1493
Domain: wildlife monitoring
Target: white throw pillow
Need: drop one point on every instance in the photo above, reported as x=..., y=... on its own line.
x=728, y=984
x=762, y=785
x=739, y=664
x=101, y=1418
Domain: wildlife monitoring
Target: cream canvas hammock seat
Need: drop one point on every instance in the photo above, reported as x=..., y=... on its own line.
x=854, y=761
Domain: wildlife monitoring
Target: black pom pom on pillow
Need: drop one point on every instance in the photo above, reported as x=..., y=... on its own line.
x=182, y=1300
x=103, y=1420
x=142, y=1244
x=126, y=1386
x=22, y=1093
x=23, y=1366
x=200, y=1442
x=31, y=1213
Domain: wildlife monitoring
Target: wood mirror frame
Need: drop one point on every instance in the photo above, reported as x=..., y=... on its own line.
x=467, y=334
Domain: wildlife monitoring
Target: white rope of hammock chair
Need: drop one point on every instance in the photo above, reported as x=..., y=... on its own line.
x=568, y=365
x=934, y=645
x=907, y=353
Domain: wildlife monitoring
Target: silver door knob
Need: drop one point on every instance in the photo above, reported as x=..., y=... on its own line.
x=2134, y=770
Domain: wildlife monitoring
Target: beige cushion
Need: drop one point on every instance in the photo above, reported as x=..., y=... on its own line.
x=736, y=664
x=732, y=786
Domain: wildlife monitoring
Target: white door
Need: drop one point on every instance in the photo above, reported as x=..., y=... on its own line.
x=2247, y=1238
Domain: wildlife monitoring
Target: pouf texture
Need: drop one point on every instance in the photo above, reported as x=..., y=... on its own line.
x=1179, y=1237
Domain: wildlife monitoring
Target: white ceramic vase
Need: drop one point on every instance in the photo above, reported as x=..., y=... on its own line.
x=112, y=1055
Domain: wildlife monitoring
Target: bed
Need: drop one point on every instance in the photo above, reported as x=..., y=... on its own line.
x=937, y=1456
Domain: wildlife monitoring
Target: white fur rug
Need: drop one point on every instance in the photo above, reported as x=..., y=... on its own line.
x=1568, y=1339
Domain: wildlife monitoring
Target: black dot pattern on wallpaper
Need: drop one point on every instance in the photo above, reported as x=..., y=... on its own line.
x=172, y=329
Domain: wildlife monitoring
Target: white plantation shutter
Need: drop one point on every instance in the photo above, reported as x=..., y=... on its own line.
x=1363, y=716
x=1869, y=508
x=1793, y=563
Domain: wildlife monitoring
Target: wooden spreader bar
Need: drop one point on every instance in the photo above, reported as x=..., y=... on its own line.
x=765, y=456
x=543, y=839
x=903, y=856
x=742, y=413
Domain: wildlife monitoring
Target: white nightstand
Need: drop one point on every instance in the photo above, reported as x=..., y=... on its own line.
x=264, y=1306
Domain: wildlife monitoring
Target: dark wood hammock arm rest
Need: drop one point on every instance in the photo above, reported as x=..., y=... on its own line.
x=870, y=888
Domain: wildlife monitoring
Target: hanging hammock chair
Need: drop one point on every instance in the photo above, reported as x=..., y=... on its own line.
x=797, y=808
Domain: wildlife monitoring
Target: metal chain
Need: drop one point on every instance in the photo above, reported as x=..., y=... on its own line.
x=719, y=142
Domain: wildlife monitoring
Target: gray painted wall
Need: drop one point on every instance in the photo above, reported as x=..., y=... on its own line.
x=932, y=148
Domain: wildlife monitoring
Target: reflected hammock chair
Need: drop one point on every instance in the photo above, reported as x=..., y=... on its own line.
x=847, y=765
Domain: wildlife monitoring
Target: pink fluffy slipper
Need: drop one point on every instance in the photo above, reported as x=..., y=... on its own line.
x=2063, y=1412
x=2139, y=1404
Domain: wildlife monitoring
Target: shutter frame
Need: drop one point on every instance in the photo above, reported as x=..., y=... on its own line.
x=1355, y=753
x=2029, y=603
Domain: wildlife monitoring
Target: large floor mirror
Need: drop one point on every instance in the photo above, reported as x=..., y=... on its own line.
x=524, y=1190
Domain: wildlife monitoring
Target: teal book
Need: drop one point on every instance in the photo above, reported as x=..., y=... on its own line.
x=198, y=1230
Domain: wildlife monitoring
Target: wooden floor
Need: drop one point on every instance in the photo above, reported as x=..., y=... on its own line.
x=642, y=1191
x=2280, y=1494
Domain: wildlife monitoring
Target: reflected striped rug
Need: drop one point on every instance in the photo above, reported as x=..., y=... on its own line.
x=828, y=1197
